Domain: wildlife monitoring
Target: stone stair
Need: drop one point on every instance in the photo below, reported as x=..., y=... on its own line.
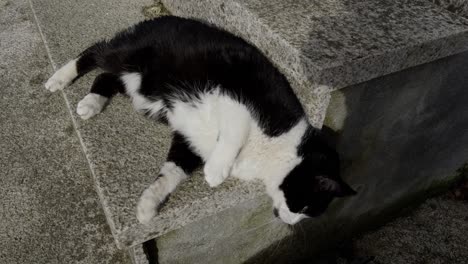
x=321, y=46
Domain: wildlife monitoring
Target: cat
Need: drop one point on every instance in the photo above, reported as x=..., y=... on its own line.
x=230, y=108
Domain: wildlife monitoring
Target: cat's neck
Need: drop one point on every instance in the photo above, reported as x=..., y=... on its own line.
x=270, y=158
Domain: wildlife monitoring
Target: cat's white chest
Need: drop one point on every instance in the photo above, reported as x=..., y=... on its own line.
x=264, y=157
x=198, y=121
x=260, y=157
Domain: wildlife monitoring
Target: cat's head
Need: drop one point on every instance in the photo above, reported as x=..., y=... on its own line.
x=311, y=185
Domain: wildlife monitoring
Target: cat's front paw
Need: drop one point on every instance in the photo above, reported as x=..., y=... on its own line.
x=91, y=105
x=147, y=206
x=216, y=173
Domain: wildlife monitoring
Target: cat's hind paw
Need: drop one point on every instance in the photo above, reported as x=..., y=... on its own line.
x=91, y=105
x=63, y=77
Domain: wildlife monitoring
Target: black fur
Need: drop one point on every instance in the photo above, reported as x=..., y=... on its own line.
x=181, y=56
x=181, y=154
x=311, y=186
x=107, y=84
x=176, y=53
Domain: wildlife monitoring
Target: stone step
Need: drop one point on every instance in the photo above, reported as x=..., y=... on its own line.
x=49, y=210
x=324, y=45
x=403, y=140
x=125, y=150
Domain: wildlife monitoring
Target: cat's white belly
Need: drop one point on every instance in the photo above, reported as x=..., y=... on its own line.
x=266, y=158
x=198, y=122
x=260, y=157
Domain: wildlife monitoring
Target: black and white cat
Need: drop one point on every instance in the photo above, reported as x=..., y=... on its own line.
x=229, y=107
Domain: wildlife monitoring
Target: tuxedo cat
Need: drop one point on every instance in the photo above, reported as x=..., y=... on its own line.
x=229, y=107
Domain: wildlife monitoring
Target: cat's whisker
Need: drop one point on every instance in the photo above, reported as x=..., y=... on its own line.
x=277, y=246
x=257, y=227
x=303, y=233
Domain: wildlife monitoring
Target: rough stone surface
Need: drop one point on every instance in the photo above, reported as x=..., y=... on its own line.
x=230, y=236
x=125, y=149
x=337, y=43
x=154, y=10
x=138, y=255
x=398, y=147
x=435, y=233
x=49, y=209
x=459, y=7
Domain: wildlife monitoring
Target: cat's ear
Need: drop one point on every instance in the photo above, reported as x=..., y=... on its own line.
x=337, y=187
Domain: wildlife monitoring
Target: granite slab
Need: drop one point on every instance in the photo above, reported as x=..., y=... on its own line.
x=49, y=209
x=333, y=44
x=126, y=150
x=459, y=7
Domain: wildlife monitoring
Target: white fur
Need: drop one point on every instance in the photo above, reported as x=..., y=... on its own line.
x=220, y=129
x=63, y=77
x=250, y=155
x=289, y=217
x=91, y=105
x=198, y=122
x=217, y=126
x=230, y=141
x=233, y=129
x=270, y=160
x=154, y=195
x=132, y=82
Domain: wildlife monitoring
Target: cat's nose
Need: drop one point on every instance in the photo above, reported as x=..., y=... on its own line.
x=275, y=212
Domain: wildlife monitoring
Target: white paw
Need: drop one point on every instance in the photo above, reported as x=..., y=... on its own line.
x=216, y=172
x=56, y=83
x=147, y=206
x=91, y=105
x=63, y=77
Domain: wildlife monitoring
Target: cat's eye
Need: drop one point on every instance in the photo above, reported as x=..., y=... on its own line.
x=304, y=210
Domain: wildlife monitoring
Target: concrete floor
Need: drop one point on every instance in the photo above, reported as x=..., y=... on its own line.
x=50, y=212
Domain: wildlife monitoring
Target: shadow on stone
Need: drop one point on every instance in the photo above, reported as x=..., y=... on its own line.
x=402, y=139
x=150, y=249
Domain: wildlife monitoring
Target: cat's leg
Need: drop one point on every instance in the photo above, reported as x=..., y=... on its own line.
x=234, y=128
x=86, y=62
x=104, y=87
x=181, y=161
x=63, y=76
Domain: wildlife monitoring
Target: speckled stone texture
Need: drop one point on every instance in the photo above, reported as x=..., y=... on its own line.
x=402, y=140
x=49, y=209
x=137, y=255
x=459, y=7
x=337, y=43
x=125, y=149
x=435, y=233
